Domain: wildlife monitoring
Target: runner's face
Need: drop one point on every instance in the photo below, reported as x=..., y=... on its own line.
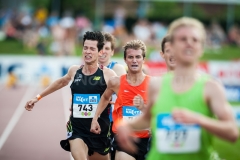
x=106, y=54
x=169, y=56
x=90, y=51
x=134, y=60
x=187, y=45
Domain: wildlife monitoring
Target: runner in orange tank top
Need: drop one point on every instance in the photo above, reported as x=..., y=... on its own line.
x=124, y=107
x=131, y=99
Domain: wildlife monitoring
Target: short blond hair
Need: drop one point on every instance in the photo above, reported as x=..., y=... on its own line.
x=135, y=44
x=187, y=21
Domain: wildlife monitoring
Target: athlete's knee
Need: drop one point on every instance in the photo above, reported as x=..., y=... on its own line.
x=97, y=156
x=78, y=149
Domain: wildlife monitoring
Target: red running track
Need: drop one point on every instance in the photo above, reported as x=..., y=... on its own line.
x=33, y=135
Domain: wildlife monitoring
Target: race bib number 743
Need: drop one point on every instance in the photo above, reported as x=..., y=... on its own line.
x=85, y=105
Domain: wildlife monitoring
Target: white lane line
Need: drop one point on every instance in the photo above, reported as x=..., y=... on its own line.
x=16, y=116
x=66, y=105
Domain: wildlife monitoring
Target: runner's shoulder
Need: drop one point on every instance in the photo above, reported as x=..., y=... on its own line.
x=114, y=81
x=107, y=71
x=73, y=69
x=155, y=80
x=119, y=69
x=154, y=83
x=118, y=66
x=212, y=86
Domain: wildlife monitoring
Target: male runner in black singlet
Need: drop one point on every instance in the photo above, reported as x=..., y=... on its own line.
x=89, y=83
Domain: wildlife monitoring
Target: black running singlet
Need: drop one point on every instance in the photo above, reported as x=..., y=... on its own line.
x=86, y=94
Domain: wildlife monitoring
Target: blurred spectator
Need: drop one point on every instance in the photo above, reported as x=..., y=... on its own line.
x=119, y=23
x=83, y=24
x=56, y=46
x=119, y=17
x=108, y=27
x=52, y=20
x=41, y=15
x=2, y=17
x=30, y=38
x=26, y=20
x=159, y=31
x=142, y=30
x=69, y=41
x=216, y=35
x=12, y=80
x=10, y=30
x=234, y=36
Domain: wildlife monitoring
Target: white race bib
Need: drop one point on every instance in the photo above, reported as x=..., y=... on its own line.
x=85, y=105
x=130, y=112
x=173, y=137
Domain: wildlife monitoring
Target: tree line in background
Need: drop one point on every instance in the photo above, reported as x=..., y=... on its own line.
x=164, y=11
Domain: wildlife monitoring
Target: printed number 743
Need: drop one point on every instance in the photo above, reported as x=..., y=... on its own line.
x=85, y=107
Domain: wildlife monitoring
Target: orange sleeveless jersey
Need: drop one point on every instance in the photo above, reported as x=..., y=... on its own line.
x=125, y=97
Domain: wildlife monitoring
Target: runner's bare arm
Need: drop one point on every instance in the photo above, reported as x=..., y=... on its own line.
x=60, y=83
x=104, y=101
x=225, y=127
x=119, y=69
x=143, y=121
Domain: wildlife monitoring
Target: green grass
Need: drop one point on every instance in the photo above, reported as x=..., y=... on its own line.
x=16, y=47
x=235, y=104
x=226, y=53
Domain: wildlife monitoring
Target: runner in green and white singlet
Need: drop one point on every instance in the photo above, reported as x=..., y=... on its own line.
x=182, y=104
x=171, y=140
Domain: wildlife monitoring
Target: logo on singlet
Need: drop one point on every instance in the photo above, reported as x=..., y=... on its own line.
x=81, y=99
x=97, y=78
x=92, y=99
x=78, y=78
x=132, y=112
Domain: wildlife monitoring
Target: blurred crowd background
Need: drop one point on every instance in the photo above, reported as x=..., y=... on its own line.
x=56, y=27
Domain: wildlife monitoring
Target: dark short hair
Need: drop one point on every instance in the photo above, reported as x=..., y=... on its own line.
x=135, y=44
x=166, y=39
x=109, y=38
x=94, y=36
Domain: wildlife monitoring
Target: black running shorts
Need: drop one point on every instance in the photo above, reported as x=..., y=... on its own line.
x=142, y=146
x=100, y=145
